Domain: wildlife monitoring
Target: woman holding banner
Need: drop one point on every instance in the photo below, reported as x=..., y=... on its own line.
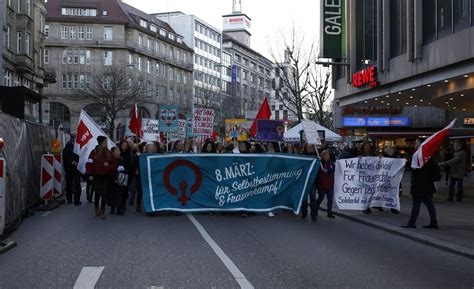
x=422, y=189
x=310, y=150
x=326, y=182
x=366, y=151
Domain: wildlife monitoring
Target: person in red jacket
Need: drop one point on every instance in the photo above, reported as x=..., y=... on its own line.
x=100, y=166
x=326, y=182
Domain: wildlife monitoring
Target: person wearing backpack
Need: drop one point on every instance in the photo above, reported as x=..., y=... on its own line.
x=422, y=190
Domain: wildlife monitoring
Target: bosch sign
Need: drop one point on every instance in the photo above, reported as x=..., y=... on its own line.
x=237, y=22
x=364, y=77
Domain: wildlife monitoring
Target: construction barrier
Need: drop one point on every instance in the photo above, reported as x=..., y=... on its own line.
x=3, y=176
x=58, y=175
x=47, y=177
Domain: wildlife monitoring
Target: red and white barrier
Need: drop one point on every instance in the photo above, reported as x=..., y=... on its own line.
x=47, y=177
x=58, y=175
x=3, y=176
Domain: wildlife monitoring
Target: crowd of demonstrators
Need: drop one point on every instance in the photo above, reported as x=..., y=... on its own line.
x=113, y=176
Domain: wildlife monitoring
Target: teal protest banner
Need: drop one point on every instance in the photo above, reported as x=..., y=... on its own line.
x=203, y=182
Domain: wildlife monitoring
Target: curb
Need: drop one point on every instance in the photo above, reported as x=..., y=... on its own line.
x=6, y=245
x=412, y=235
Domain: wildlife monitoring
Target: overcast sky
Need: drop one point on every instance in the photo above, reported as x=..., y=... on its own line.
x=268, y=16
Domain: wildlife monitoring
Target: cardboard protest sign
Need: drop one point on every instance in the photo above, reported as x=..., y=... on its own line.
x=168, y=118
x=311, y=133
x=235, y=129
x=270, y=130
x=203, y=122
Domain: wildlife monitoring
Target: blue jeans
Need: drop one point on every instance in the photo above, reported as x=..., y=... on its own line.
x=330, y=196
x=415, y=211
x=452, y=184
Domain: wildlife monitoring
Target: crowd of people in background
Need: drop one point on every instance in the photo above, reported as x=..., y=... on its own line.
x=113, y=176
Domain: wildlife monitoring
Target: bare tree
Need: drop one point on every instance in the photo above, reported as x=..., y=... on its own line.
x=307, y=85
x=294, y=71
x=317, y=107
x=112, y=92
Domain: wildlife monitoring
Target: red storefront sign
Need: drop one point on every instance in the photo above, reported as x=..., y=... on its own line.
x=364, y=77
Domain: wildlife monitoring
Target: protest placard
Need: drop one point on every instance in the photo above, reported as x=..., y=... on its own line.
x=179, y=134
x=150, y=128
x=203, y=122
x=168, y=118
x=235, y=129
x=361, y=183
x=311, y=132
x=270, y=130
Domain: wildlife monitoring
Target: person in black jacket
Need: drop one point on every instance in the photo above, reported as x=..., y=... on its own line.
x=422, y=189
x=73, y=177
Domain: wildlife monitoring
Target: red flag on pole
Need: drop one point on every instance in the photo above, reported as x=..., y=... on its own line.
x=429, y=147
x=263, y=113
x=136, y=123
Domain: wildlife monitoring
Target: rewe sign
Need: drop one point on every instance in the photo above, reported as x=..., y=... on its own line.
x=364, y=77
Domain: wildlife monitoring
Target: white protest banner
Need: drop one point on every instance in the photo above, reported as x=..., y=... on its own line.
x=150, y=128
x=361, y=183
x=3, y=175
x=203, y=121
x=311, y=132
x=180, y=134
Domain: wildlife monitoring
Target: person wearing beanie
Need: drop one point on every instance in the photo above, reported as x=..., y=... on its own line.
x=100, y=165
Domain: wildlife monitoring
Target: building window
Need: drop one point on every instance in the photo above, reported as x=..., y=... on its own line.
x=46, y=30
x=58, y=112
x=444, y=11
x=72, y=32
x=7, y=77
x=80, y=32
x=27, y=44
x=8, y=37
x=148, y=66
x=429, y=21
x=18, y=42
x=143, y=23
x=366, y=32
x=89, y=32
x=171, y=36
x=162, y=32
x=398, y=26
x=462, y=13
x=171, y=73
x=139, y=63
x=41, y=22
x=140, y=40
x=28, y=7
x=107, y=57
x=130, y=59
x=46, y=56
x=18, y=8
x=78, y=12
x=153, y=28
x=148, y=43
x=157, y=47
x=64, y=30
x=108, y=33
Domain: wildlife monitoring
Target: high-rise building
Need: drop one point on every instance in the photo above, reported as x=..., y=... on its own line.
x=85, y=36
x=22, y=65
x=206, y=42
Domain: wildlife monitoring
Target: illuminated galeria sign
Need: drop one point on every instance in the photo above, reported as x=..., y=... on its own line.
x=365, y=77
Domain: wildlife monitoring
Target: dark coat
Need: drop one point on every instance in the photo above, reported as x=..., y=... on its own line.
x=70, y=159
x=422, y=180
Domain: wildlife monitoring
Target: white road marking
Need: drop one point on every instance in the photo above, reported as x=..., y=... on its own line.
x=239, y=276
x=88, y=277
x=45, y=214
x=156, y=287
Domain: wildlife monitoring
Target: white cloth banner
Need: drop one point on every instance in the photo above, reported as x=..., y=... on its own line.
x=361, y=183
x=86, y=139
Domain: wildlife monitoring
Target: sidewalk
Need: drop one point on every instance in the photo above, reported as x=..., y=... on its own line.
x=456, y=220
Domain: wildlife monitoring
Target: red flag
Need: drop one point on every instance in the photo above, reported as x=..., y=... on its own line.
x=429, y=147
x=136, y=123
x=263, y=113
